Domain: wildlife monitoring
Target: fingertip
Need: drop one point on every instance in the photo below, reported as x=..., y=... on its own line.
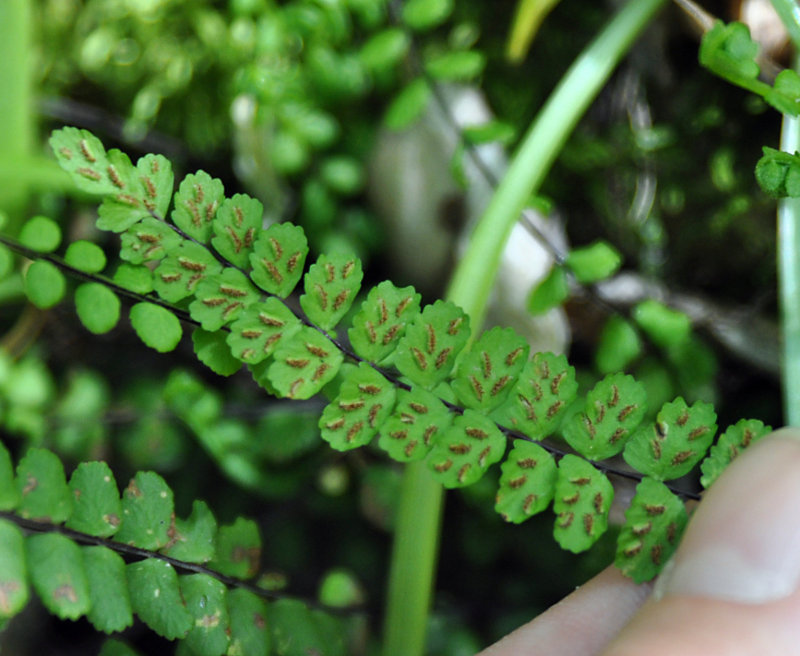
x=732, y=586
x=692, y=626
x=743, y=541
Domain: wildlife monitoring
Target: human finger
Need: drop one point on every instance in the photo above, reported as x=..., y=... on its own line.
x=732, y=587
x=581, y=624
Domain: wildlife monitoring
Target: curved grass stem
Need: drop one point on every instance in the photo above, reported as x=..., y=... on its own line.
x=16, y=102
x=416, y=539
x=545, y=138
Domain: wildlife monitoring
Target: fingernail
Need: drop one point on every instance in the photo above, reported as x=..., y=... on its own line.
x=743, y=541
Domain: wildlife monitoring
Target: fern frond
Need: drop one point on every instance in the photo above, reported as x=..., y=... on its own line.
x=70, y=542
x=408, y=378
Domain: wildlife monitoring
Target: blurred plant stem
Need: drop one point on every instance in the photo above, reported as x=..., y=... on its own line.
x=17, y=114
x=413, y=566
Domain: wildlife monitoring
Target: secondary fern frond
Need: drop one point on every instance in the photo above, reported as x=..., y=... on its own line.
x=69, y=542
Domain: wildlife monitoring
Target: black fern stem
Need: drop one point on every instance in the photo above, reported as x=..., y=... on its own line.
x=134, y=554
x=184, y=316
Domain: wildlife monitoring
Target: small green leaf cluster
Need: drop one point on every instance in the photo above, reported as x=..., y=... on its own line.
x=73, y=560
x=413, y=377
x=778, y=173
x=730, y=52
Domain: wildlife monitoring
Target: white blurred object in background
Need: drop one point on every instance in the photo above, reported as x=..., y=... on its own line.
x=428, y=217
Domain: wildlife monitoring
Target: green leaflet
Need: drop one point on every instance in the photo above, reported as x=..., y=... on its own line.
x=110, y=610
x=42, y=486
x=619, y=345
x=486, y=375
x=13, y=571
x=654, y=523
x=419, y=418
x=331, y=286
x=465, y=450
x=196, y=204
x=58, y=576
x=364, y=402
x=147, y=509
x=528, y=482
x=407, y=105
x=213, y=351
x=221, y=298
x=382, y=319
x=342, y=174
x=148, y=241
x=426, y=14
x=594, y=263
x=155, y=174
x=614, y=409
x=205, y=599
x=132, y=200
x=278, y=258
x=156, y=326
x=255, y=335
x=183, y=270
x=156, y=598
x=491, y=131
x=236, y=226
x=581, y=503
x=665, y=326
x=677, y=441
x=96, y=504
x=249, y=635
x=384, y=50
x=785, y=93
x=543, y=392
x=192, y=539
x=238, y=549
x=9, y=493
x=40, y=234
x=303, y=364
x=743, y=434
x=85, y=256
x=461, y=65
x=340, y=589
x=729, y=51
x=97, y=306
x=549, y=293
x=138, y=279
x=432, y=342
x=83, y=156
x=44, y=284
